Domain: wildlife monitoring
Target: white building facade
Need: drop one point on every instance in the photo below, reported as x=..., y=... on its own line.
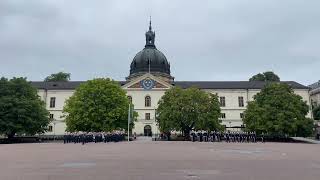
x=149, y=79
x=315, y=93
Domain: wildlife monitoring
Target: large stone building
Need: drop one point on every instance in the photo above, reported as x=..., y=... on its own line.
x=315, y=93
x=149, y=78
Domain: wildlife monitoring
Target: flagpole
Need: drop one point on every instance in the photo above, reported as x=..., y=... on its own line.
x=129, y=122
x=149, y=65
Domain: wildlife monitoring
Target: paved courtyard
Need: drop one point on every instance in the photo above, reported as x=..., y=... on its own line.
x=147, y=160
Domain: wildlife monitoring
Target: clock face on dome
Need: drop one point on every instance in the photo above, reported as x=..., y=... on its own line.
x=147, y=84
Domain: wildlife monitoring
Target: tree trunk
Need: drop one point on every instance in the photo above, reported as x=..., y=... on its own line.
x=168, y=136
x=10, y=135
x=186, y=134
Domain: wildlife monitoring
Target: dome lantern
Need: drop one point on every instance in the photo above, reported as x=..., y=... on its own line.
x=150, y=36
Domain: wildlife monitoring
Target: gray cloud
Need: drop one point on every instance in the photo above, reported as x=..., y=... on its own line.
x=203, y=40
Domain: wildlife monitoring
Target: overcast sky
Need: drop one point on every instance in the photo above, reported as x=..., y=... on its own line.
x=203, y=40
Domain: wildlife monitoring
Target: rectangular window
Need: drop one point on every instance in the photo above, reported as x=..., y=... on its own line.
x=50, y=129
x=241, y=115
x=223, y=115
x=147, y=116
x=241, y=104
x=222, y=101
x=52, y=102
x=51, y=116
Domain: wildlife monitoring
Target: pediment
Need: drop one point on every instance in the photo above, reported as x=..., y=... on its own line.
x=147, y=82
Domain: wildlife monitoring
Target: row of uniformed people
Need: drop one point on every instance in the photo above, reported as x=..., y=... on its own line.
x=216, y=136
x=96, y=137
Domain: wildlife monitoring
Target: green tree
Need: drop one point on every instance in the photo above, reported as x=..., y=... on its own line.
x=60, y=76
x=266, y=76
x=276, y=110
x=97, y=105
x=316, y=112
x=21, y=110
x=186, y=109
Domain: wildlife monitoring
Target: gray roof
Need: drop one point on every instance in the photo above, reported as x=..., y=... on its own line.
x=315, y=85
x=184, y=84
x=233, y=84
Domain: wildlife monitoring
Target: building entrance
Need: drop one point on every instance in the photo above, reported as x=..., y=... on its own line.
x=147, y=130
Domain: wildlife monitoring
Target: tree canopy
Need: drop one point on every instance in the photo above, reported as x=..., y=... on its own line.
x=316, y=112
x=266, y=76
x=21, y=110
x=276, y=110
x=97, y=105
x=60, y=76
x=186, y=109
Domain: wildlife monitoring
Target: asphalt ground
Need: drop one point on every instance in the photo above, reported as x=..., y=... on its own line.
x=147, y=160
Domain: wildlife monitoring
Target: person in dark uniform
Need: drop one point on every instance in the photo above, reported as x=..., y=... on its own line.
x=228, y=137
x=254, y=137
x=82, y=138
x=65, y=138
x=205, y=136
x=74, y=137
x=104, y=139
x=109, y=137
x=211, y=136
x=219, y=136
x=192, y=136
x=214, y=136
x=95, y=137
x=198, y=136
x=69, y=138
x=233, y=136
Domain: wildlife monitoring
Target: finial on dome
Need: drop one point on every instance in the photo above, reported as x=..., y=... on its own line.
x=150, y=27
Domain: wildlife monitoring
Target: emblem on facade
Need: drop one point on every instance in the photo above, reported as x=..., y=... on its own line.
x=147, y=84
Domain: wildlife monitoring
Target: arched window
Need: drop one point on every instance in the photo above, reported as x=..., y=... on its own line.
x=147, y=101
x=130, y=99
